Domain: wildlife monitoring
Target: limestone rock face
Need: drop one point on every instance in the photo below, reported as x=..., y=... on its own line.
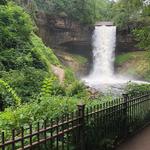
x=125, y=42
x=58, y=30
x=73, y=38
x=59, y=72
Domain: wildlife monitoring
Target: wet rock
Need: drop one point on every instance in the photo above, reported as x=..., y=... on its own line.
x=93, y=92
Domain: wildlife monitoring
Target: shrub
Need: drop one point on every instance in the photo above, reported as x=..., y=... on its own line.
x=27, y=82
x=133, y=89
x=15, y=25
x=45, y=54
x=77, y=89
x=3, y=2
x=69, y=76
x=51, y=86
x=142, y=36
x=24, y=59
x=47, y=108
x=11, y=98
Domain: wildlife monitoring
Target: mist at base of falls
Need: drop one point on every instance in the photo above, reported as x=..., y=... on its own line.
x=102, y=76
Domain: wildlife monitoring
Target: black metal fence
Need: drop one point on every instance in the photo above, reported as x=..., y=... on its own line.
x=98, y=127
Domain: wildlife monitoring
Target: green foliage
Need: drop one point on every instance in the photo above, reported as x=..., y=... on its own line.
x=74, y=87
x=3, y=2
x=77, y=89
x=123, y=58
x=15, y=25
x=24, y=60
x=147, y=76
x=125, y=12
x=45, y=54
x=127, y=63
x=143, y=36
x=133, y=89
x=48, y=108
x=85, y=11
x=82, y=60
x=133, y=16
x=69, y=76
x=12, y=97
x=52, y=87
x=24, y=81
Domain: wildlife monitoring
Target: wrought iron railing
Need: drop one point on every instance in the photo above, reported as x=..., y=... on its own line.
x=89, y=128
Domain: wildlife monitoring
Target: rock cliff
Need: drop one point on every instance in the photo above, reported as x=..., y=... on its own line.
x=61, y=33
x=59, y=30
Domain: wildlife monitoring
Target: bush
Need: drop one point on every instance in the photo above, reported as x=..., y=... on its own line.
x=44, y=53
x=9, y=95
x=26, y=82
x=77, y=89
x=142, y=35
x=3, y=2
x=69, y=76
x=47, y=108
x=24, y=59
x=52, y=87
x=15, y=25
x=133, y=89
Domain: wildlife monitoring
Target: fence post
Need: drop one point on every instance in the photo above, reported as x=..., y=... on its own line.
x=1, y=104
x=81, y=114
x=125, y=115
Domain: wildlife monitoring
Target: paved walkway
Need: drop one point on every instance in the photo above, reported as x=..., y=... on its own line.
x=139, y=142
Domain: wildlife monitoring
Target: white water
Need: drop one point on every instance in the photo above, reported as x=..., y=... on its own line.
x=104, y=41
x=102, y=75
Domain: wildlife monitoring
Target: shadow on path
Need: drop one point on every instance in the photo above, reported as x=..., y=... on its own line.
x=141, y=141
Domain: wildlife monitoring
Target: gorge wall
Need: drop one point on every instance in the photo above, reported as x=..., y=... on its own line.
x=125, y=42
x=61, y=33
x=59, y=30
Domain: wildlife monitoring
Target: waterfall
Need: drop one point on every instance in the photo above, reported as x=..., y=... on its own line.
x=102, y=74
x=104, y=42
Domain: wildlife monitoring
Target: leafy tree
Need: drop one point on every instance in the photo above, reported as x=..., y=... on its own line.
x=3, y=2
x=84, y=11
x=134, y=16
x=143, y=36
x=142, y=32
x=125, y=12
x=15, y=29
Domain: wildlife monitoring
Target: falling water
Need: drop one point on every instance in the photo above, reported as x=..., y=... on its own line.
x=104, y=40
x=102, y=75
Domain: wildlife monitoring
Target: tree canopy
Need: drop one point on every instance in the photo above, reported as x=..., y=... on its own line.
x=85, y=11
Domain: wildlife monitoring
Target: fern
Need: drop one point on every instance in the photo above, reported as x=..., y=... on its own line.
x=10, y=90
x=51, y=86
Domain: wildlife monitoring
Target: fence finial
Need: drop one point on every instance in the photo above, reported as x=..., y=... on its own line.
x=125, y=96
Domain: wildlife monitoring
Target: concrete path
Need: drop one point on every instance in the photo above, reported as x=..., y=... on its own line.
x=139, y=142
